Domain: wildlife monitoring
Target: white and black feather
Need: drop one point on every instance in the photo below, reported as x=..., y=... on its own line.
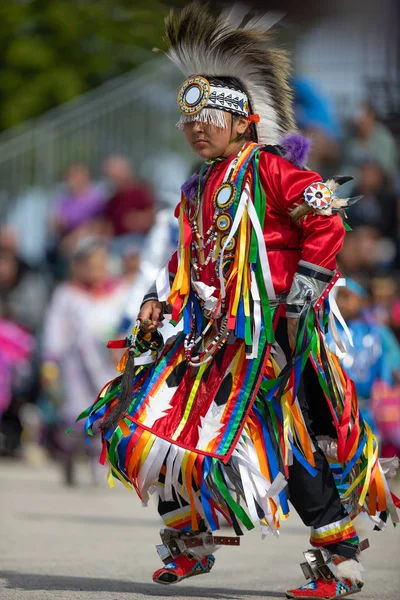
x=201, y=43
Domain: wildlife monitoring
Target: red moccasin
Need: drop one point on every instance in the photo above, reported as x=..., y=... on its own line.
x=183, y=567
x=325, y=590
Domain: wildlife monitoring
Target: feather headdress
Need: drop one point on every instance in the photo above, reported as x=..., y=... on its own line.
x=233, y=45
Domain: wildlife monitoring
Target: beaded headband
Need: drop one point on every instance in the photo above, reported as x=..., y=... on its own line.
x=201, y=100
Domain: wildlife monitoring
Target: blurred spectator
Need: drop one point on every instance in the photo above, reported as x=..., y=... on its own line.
x=131, y=208
x=360, y=252
x=155, y=253
x=16, y=350
x=371, y=141
x=32, y=206
x=377, y=209
x=316, y=117
x=375, y=357
x=314, y=109
x=385, y=408
x=395, y=317
x=23, y=289
x=82, y=317
x=78, y=212
x=23, y=297
x=384, y=292
x=82, y=203
x=131, y=262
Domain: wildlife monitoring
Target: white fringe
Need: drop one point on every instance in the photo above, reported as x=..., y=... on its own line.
x=389, y=466
x=350, y=569
x=212, y=116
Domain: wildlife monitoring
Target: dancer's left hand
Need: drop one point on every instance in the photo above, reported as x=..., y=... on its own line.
x=292, y=323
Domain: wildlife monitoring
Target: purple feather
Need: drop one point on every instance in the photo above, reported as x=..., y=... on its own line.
x=190, y=187
x=296, y=147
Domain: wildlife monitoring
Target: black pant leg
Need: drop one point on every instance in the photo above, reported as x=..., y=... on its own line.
x=315, y=498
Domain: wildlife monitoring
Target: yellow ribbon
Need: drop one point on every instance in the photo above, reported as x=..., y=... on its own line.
x=183, y=471
x=181, y=283
x=190, y=401
x=334, y=531
x=242, y=255
x=146, y=452
x=372, y=456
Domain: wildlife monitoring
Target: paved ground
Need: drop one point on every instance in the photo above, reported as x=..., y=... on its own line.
x=96, y=543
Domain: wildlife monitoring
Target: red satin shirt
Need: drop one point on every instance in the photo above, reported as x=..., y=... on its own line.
x=316, y=239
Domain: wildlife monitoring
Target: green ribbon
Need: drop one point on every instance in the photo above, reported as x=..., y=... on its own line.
x=248, y=334
x=260, y=205
x=117, y=435
x=223, y=489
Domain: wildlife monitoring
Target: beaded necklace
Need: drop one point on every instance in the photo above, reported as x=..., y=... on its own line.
x=241, y=262
x=200, y=241
x=223, y=199
x=221, y=220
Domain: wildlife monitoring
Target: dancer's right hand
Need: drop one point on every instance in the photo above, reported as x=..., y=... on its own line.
x=151, y=316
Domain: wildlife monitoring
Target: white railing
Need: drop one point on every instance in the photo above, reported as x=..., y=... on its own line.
x=133, y=115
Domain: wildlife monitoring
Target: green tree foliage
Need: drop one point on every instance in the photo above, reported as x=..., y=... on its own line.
x=54, y=50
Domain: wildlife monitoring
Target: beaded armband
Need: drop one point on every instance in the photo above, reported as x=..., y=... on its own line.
x=309, y=284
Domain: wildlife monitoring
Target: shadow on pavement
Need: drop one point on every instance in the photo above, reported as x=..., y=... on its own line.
x=31, y=582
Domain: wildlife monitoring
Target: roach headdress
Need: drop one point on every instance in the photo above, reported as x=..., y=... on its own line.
x=230, y=68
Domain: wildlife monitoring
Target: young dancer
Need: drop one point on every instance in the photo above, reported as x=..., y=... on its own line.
x=246, y=408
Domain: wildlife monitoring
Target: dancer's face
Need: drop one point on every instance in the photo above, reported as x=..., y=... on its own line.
x=209, y=141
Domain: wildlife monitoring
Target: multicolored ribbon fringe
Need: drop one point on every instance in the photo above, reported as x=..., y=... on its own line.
x=222, y=435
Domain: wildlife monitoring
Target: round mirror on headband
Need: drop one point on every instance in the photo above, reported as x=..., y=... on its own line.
x=193, y=95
